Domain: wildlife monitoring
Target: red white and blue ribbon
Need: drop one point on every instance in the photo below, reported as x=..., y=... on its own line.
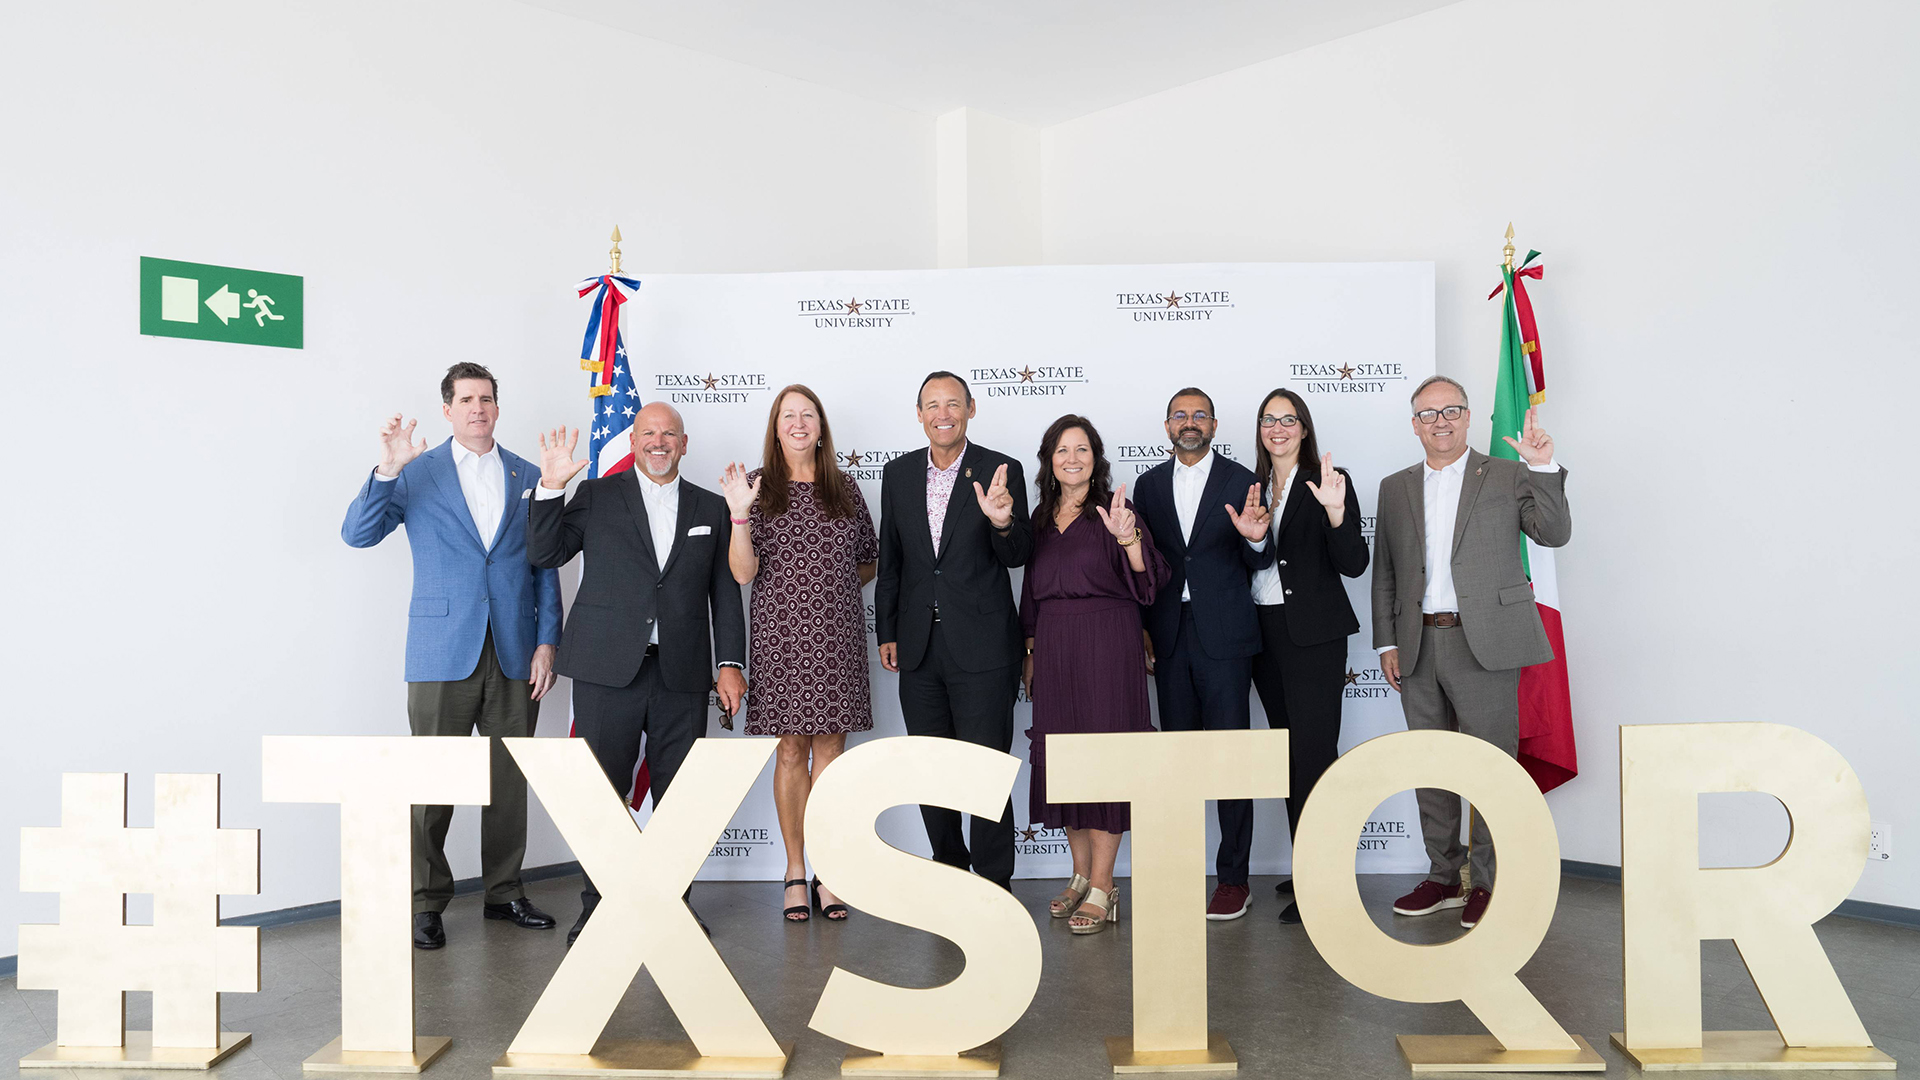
x=611, y=385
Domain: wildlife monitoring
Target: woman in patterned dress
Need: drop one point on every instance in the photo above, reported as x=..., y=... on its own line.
x=803, y=537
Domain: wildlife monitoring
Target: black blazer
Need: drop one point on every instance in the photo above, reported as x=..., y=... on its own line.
x=624, y=588
x=1311, y=555
x=1217, y=566
x=968, y=580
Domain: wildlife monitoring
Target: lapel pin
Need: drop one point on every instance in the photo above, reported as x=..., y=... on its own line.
x=969, y=473
x=1477, y=472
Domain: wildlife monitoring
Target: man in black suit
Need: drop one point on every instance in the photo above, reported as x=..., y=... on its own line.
x=953, y=520
x=1202, y=625
x=638, y=643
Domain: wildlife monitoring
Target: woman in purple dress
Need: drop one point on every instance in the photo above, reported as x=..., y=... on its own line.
x=802, y=535
x=1086, y=670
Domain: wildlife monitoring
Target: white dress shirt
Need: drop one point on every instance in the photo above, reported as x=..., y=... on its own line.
x=1442, y=495
x=663, y=521
x=1189, y=483
x=1267, y=588
x=483, y=482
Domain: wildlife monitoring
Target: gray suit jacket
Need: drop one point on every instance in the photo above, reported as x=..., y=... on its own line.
x=1499, y=500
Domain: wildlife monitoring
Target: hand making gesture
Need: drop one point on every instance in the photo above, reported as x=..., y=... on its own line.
x=397, y=446
x=995, y=500
x=1535, y=445
x=739, y=492
x=1252, y=520
x=1118, y=517
x=556, y=458
x=1331, y=491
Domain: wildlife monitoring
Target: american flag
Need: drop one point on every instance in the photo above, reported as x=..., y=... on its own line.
x=616, y=398
x=615, y=394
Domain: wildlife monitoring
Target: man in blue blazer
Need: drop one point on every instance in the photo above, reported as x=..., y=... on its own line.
x=1203, y=629
x=482, y=627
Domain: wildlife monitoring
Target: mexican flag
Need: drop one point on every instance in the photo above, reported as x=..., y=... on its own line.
x=1546, y=706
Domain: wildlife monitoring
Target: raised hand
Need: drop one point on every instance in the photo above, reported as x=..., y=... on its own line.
x=397, y=446
x=1535, y=445
x=1331, y=491
x=556, y=458
x=1251, y=521
x=995, y=500
x=739, y=492
x=1118, y=517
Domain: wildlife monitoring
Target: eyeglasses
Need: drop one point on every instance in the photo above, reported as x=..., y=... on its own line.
x=1451, y=412
x=1199, y=416
x=1287, y=421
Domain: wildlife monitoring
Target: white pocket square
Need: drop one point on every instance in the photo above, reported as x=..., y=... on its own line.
x=700, y=530
x=527, y=494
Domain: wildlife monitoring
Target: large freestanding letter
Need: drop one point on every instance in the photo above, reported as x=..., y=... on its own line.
x=1478, y=969
x=1769, y=911
x=377, y=780
x=921, y=1030
x=1168, y=777
x=641, y=920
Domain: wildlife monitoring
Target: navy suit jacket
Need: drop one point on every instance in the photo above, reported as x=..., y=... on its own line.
x=1215, y=564
x=461, y=587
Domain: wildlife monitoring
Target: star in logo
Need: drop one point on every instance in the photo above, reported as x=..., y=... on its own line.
x=710, y=380
x=853, y=307
x=1346, y=371
x=852, y=458
x=1027, y=834
x=1353, y=677
x=1173, y=298
x=1027, y=374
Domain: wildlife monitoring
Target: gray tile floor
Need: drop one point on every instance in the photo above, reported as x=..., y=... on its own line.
x=1285, y=1012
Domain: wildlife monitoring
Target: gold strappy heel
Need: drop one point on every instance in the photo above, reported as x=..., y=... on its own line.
x=1109, y=905
x=1070, y=898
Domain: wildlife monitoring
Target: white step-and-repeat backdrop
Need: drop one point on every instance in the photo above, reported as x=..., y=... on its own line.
x=1109, y=342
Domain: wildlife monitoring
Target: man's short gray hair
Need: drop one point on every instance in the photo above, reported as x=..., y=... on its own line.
x=1433, y=379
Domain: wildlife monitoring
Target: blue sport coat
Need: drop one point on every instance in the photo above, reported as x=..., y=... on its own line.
x=461, y=588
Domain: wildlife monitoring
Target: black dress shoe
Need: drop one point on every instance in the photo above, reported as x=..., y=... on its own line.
x=1284, y=888
x=1291, y=914
x=578, y=925
x=521, y=912
x=428, y=933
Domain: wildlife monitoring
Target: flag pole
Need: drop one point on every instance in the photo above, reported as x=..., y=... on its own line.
x=1466, y=872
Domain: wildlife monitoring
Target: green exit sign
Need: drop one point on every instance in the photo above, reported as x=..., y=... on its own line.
x=221, y=303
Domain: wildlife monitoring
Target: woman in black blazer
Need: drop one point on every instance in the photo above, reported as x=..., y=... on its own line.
x=1305, y=617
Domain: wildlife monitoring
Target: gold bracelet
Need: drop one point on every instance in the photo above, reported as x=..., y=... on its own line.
x=1135, y=540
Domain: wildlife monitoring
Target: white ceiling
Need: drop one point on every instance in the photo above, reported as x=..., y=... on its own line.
x=1035, y=61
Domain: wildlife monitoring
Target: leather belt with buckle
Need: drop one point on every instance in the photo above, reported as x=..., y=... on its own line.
x=1445, y=620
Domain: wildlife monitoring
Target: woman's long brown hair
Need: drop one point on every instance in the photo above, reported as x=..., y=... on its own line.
x=829, y=484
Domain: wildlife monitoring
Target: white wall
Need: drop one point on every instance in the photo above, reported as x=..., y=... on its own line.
x=440, y=173
x=1725, y=192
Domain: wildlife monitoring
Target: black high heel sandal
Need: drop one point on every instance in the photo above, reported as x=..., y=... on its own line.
x=804, y=911
x=834, y=912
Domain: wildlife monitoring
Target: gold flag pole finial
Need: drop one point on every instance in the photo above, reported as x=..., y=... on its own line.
x=615, y=253
x=1506, y=252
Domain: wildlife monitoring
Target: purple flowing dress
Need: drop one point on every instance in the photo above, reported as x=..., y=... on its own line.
x=1081, y=606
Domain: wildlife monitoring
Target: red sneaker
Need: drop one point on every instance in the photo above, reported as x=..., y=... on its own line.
x=1477, y=901
x=1229, y=902
x=1427, y=898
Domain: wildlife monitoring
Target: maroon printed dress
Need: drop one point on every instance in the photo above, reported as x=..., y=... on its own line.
x=807, y=624
x=1081, y=606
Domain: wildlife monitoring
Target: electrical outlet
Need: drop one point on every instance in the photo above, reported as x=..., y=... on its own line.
x=1880, y=843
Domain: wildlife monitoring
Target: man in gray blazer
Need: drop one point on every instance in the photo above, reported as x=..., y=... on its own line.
x=1453, y=614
